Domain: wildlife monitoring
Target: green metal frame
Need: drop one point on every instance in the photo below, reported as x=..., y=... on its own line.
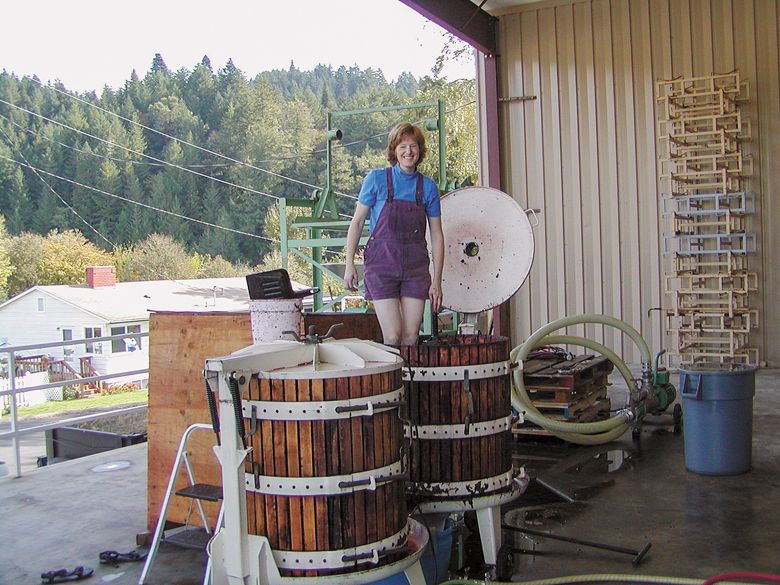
x=324, y=218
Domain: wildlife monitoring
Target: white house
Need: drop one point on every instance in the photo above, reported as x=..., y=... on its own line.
x=104, y=307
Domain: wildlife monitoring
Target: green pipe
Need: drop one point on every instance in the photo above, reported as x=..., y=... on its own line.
x=594, y=578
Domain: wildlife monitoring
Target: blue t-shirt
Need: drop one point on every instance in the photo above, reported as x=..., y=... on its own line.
x=373, y=193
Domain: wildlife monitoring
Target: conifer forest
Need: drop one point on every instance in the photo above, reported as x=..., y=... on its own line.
x=199, y=157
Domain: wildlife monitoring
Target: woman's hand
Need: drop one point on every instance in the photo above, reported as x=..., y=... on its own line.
x=434, y=294
x=351, y=277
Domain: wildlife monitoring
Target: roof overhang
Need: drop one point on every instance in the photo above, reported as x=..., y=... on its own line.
x=463, y=18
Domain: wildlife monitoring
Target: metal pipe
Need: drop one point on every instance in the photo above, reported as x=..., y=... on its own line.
x=14, y=415
x=637, y=554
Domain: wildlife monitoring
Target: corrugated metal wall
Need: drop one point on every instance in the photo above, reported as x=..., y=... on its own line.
x=584, y=151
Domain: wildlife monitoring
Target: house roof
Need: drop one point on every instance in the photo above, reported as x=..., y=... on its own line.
x=132, y=301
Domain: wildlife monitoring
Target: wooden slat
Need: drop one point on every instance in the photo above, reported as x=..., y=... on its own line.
x=268, y=467
x=358, y=461
x=280, y=469
x=320, y=468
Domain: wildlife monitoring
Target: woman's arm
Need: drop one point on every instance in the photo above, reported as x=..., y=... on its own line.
x=353, y=239
x=437, y=245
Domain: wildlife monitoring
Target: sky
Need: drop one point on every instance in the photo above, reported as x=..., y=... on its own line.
x=87, y=44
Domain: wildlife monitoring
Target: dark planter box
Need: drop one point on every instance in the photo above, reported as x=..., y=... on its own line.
x=72, y=443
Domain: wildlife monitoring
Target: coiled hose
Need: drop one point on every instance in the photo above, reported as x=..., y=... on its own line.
x=593, y=433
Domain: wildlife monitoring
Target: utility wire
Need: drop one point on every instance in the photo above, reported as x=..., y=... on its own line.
x=235, y=161
x=76, y=213
x=147, y=206
x=65, y=203
x=167, y=163
x=150, y=129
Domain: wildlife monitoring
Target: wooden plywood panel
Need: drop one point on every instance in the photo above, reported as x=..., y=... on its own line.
x=570, y=166
x=179, y=344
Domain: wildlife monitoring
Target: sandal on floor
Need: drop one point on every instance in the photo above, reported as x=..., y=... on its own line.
x=111, y=557
x=64, y=576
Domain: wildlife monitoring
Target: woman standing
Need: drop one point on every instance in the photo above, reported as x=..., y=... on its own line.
x=400, y=202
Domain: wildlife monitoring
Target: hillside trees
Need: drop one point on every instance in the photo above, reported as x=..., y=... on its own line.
x=206, y=145
x=5, y=260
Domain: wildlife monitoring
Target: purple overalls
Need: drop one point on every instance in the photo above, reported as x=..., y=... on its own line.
x=396, y=256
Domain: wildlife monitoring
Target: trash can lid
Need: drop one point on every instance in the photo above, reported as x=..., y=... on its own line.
x=719, y=369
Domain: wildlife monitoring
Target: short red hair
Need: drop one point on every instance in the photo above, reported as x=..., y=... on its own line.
x=398, y=133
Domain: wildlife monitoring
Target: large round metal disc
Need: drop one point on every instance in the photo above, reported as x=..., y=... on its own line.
x=488, y=248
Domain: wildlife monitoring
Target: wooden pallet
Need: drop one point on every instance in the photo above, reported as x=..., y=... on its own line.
x=599, y=410
x=562, y=378
x=572, y=390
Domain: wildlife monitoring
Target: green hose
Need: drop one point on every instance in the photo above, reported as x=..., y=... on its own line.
x=595, y=433
x=595, y=578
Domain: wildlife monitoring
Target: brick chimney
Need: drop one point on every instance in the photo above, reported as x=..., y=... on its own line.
x=101, y=276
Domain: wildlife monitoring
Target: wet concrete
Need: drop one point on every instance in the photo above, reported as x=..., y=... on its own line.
x=625, y=494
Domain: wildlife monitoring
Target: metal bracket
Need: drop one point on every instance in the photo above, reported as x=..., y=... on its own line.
x=475, y=487
x=334, y=559
x=450, y=373
x=324, y=410
x=330, y=485
x=479, y=429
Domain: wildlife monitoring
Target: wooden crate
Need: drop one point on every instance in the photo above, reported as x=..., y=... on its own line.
x=179, y=343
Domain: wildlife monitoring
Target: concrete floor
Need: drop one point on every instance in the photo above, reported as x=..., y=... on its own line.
x=625, y=493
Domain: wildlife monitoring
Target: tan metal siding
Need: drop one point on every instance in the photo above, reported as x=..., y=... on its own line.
x=584, y=152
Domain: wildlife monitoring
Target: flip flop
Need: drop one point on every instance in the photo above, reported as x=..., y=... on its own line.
x=64, y=576
x=111, y=557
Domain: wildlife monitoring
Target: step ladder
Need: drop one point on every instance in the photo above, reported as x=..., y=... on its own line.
x=186, y=536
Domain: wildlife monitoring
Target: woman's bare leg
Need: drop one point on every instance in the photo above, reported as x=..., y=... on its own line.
x=411, y=317
x=388, y=311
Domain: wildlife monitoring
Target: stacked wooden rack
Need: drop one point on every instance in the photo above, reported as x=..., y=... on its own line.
x=704, y=167
x=573, y=389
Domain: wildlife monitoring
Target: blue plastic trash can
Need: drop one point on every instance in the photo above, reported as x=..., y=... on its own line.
x=718, y=418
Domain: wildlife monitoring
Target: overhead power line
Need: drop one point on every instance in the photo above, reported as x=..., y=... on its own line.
x=167, y=163
x=78, y=215
x=146, y=205
x=190, y=144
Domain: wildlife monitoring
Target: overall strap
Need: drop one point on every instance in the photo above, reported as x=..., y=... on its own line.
x=419, y=194
x=389, y=178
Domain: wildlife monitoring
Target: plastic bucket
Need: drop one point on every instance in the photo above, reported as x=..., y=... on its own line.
x=435, y=561
x=718, y=418
x=272, y=317
x=436, y=558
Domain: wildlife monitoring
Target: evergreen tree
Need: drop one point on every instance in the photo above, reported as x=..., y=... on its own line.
x=5, y=260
